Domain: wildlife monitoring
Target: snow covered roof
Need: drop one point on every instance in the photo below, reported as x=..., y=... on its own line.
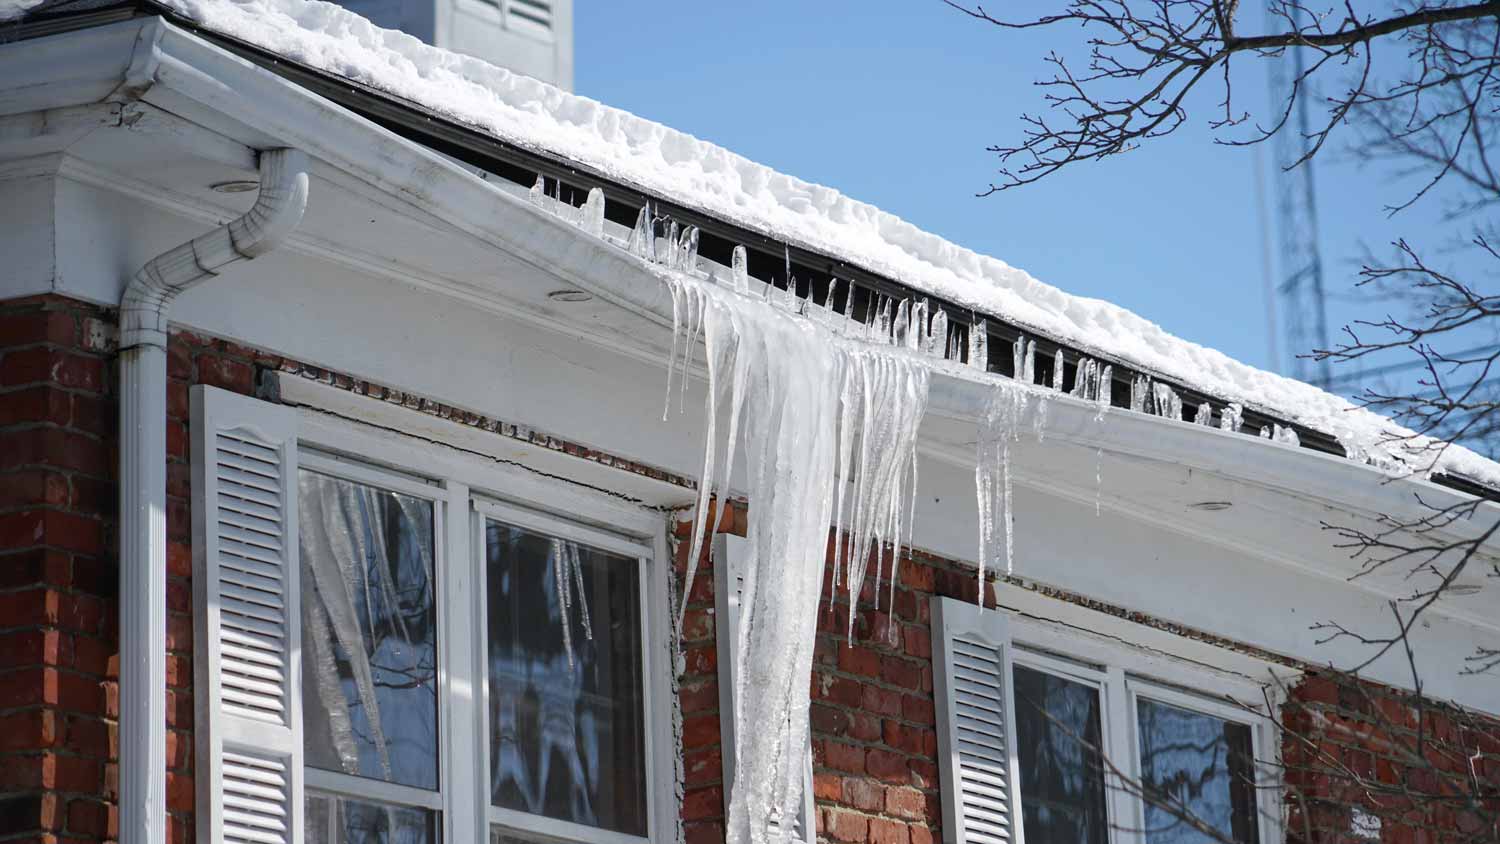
x=663, y=162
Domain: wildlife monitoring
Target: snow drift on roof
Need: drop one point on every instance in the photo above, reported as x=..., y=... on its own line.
x=660, y=161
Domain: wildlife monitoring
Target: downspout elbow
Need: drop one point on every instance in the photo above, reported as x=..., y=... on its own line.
x=277, y=211
x=143, y=475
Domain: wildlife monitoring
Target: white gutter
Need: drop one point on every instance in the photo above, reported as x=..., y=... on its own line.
x=143, y=476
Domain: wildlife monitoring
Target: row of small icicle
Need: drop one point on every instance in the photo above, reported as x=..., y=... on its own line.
x=826, y=408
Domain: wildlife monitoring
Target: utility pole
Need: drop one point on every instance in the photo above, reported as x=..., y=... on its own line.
x=1300, y=264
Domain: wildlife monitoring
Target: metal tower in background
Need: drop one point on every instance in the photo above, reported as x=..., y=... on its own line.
x=1299, y=264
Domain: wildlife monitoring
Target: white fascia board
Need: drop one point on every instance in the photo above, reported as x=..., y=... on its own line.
x=1298, y=473
x=69, y=69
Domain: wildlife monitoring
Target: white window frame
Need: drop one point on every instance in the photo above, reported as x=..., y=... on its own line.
x=620, y=545
x=460, y=482
x=1101, y=657
x=1262, y=735
x=311, y=458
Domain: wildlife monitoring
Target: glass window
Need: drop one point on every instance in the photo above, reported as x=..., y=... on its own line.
x=1058, y=739
x=369, y=652
x=1195, y=766
x=566, y=704
x=342, y=820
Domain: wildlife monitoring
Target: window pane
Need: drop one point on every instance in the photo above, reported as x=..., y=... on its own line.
x=1196, y=769
x=566, y=734
x=342, y=820
x=369, y=631
x=1057, y=740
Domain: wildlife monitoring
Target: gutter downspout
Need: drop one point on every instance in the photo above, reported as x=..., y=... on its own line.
x=143, y=476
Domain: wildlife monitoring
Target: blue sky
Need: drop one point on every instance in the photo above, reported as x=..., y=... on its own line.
x=893, y=103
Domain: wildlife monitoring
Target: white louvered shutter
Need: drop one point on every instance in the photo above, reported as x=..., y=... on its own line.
x=971, y=674
x=247, y=678
x=729, y=583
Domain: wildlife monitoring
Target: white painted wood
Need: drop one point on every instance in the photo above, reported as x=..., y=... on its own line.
x=977, y=760
x=295, y=389
x=247, y=623
x=499, y=480
x=1265, y=738
x=1121, y=671
x=369, y=789
x=553, y=525
x=729, y=553
x=464, y=752
x=629, y=538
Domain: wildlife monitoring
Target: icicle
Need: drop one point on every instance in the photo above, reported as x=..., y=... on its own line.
x=830, y=430
x=1010, y=517
x=1167, y=403
x=1098, y=479
x=1286, y=435
x=1232, y=417
x=1018, y=357
x=1104, y=392
x=560, y=583
x=916, y=335
x=1265, y=433
x=1057, y=371
x=687, y=249
x=937, y=334
x=1140, y=390
x=952, y=352
x=901, y=325
x=1028, y=364
x=1039, y=419
x=739, y=270
x=979, y=345
x=1205, y=415
x=592, y=218
x=666, y=248
x=641, y=236
x=538, y=194
x=1000, y=426
x=1086, y=379
x=678, y=295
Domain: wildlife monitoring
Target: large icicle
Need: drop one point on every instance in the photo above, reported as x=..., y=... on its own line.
x=979, y=345
x=999, y=428
x=1232, y=417
x=829, y=437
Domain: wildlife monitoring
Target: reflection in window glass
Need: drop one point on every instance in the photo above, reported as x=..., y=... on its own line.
x=1198, y=767
x=566, y=734
x=1057, y=740
x=341, y=820
x=369, y=632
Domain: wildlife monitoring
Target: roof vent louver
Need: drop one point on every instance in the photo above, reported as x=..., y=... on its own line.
x=529, y=15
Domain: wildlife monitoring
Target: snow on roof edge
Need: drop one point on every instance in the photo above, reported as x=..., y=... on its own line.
x=622, y=146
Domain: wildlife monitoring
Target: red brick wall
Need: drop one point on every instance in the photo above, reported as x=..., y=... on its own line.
x=1429, y=773
x=57, y=572
x=58, y=568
